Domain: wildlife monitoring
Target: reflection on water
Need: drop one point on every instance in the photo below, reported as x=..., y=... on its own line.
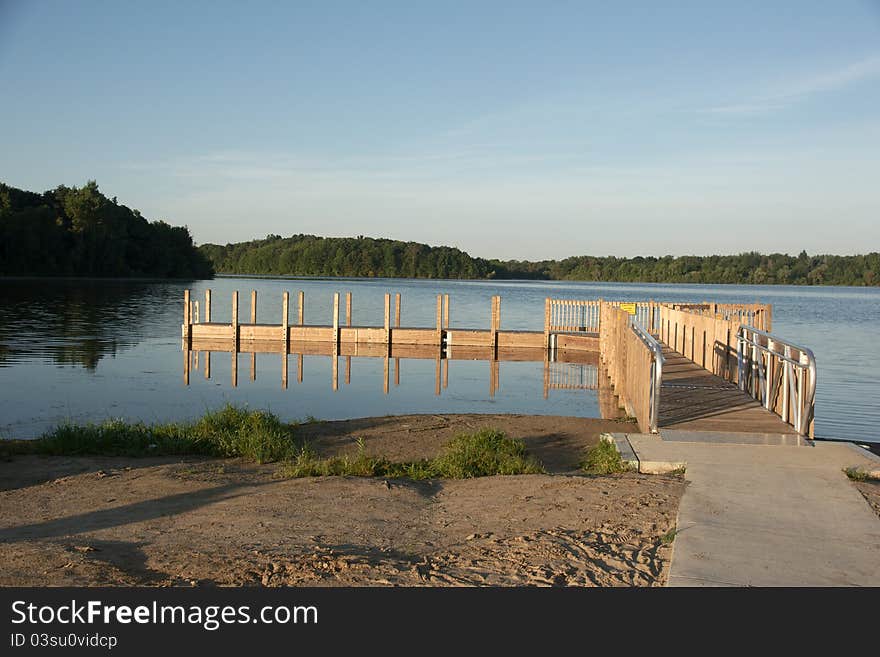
x=77, y=322
x=563, y=370
x=89, y=350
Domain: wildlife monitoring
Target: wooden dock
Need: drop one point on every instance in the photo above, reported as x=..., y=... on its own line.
x=705, y=367
x=694, y=399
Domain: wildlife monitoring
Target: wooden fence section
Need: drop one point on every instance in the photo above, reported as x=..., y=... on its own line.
x=584, y=316
x=708, y=340
x=632, y=366
x=758, y=315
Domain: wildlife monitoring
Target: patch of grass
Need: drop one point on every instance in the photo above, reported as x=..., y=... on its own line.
x=669, y=536
x=857, y=474
x=603, y=458
x=231, y=431
x=484, y=453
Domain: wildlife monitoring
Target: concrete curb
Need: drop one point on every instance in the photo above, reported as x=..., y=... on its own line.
x=628, y=456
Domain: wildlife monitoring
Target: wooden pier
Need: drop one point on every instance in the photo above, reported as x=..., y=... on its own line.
x=698, y=367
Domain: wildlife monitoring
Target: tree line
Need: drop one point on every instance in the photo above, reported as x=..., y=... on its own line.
x=309, y=255
x=77, y=231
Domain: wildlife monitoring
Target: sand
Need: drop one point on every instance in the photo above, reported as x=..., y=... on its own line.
x=196, y=521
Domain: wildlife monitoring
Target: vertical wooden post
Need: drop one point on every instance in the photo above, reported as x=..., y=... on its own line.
x=651, y=312
x=187, y=321
x=496, y=322
x=196, y=317
x=207, y=306
x=336, y=321
x=285, y=319
x=439, y=336
x=348, y=323
x=446, y=311
x=387, y=322
x=301, y=304
x=547, y=323
x=397, y=325
x=235, y=322
x=285, y=336
x=253, y=321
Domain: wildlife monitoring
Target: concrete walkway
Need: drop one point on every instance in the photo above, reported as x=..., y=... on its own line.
x=766, y=514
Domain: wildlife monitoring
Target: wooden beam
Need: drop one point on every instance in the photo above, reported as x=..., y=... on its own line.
x=301, y=309
x=235, y=322
x=253, y=306
x=207, y=306
x=397, y=310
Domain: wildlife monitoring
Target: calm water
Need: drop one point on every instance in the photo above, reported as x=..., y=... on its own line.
x=91, y=350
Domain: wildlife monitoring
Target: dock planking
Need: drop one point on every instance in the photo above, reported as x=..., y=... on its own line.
x=694, y=399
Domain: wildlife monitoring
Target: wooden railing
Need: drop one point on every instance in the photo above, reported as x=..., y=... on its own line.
x=759, y=315
x=634, y=363
x=583, y=316
x=778, y=374
x=708, y=340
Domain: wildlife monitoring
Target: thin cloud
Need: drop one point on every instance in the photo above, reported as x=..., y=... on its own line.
x=801, y=90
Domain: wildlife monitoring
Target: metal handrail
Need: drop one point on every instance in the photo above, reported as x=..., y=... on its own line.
x=656, y=371
x=803, y=396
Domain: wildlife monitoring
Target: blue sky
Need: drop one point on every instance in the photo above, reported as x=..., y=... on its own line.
x=508, y=129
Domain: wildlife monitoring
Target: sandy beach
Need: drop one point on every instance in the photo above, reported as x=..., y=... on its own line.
x=100, y=521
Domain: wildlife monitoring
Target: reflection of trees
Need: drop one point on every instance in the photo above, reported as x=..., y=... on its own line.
x=78, y=322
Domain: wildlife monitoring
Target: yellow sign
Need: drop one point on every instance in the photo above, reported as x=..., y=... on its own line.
x=628, y=307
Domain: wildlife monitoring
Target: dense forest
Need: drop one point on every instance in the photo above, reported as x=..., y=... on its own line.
x=72, y=231
x=307, y=255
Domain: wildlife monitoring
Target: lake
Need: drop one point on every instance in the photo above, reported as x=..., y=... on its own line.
x=88, y=350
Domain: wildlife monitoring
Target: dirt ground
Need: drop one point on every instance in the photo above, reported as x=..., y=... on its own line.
x=870, y=490
x=196, y=521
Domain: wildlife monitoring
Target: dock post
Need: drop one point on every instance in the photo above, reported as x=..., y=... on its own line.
x=207, y=306
x=285, y=319
x=547, y=323
x=397, y=325
x=187, y=320
x=348, y=324
x=496, y=322
x=387, y=322
x=446, y=311
x=285, y=335
x=439, y=336
x=301, y=303
x=336, y=321
x=235, y=322
x=253, y=321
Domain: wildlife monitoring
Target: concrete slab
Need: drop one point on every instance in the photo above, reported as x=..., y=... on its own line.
x=769, y=515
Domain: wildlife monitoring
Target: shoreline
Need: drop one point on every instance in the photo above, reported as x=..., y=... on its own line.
x=188, y=520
